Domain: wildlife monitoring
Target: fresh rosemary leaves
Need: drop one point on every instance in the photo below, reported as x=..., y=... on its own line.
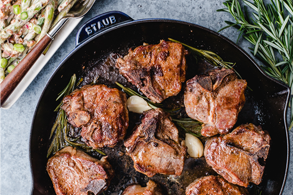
x=131, y=92
x=270, y=31
x=61, y=127
x=187, y=124
x=210, y=56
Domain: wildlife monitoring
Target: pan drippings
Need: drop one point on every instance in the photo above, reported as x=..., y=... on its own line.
x=103, y=71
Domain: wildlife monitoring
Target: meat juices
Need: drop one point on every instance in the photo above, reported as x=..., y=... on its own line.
x=214, y=185
x=154, y=145
x=74, y=172
x=100, y=111
x=215, y=99
x=236, y=155
x=158, y=71
x=151, y=189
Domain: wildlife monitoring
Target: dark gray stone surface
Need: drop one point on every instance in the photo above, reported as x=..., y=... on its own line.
x=15, y=122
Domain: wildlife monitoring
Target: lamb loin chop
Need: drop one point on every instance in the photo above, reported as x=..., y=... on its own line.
x=158, y=71
x=214, y=185
x=215, y=99
x=151, y=189
x=236, y=155
x=74, y=172
x=100, y=111
x=154, y=145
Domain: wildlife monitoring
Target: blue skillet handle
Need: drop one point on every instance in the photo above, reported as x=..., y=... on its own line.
x=100, y=23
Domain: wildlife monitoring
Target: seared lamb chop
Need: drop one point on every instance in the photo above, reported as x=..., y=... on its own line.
x=150, y=189
x=100, y=111
x=158, y=71
x=236, y=155
x=74, y=172
x=154, y=145
x=250, y=138
x=214, y=185
x=215, y=99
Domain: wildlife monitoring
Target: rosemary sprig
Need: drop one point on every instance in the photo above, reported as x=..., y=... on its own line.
x=79, y=82
x=131, y=92
x=189, y=126
x=60, y=127
x=187, y=121
x=213, y=58
x=270, y=31
x=210, y=56
x=66, y=91
x=73, y=142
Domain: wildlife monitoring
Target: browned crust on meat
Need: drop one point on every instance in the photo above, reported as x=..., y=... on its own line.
x=216, y=100
x=235, y=156
x=156, y=70
x=74, y=172
x=154, y=145
x=214, y=185
x=100, y=111
x=151, y=189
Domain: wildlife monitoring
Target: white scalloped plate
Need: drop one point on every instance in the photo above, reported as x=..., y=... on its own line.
x=41, y=62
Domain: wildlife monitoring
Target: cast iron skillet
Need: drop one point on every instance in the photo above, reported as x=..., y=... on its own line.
x=266, y=105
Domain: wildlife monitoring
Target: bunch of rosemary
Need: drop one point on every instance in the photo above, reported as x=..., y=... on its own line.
x=61, y=127
x=270, y=30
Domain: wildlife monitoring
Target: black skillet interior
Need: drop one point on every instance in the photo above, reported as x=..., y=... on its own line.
x=265, y=105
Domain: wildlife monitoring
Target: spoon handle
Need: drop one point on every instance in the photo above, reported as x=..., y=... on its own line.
x=13, y=79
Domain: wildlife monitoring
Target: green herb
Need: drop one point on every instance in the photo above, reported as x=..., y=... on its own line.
x=51, y=14
x=66, y=91
x=23, y=15
x=61, y=127
x=2, y=74
x=79, y=82
x=11, y=60
x=95, y=80
x=37, y=29
x=10, y=68
x=73, y=142
x=189, y=126
x=187, y=121
x=131, y=92
x=208, y=55
x=41, y=21
x=18, y=47
x=3, y=62
x=270, y=31
x=38, y=8
x=16, y=9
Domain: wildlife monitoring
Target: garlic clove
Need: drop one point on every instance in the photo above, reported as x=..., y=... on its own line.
x=137, y=104
x=194, y=146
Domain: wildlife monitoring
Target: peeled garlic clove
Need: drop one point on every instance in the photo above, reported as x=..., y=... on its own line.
x=194, y=146
x=137, y=104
